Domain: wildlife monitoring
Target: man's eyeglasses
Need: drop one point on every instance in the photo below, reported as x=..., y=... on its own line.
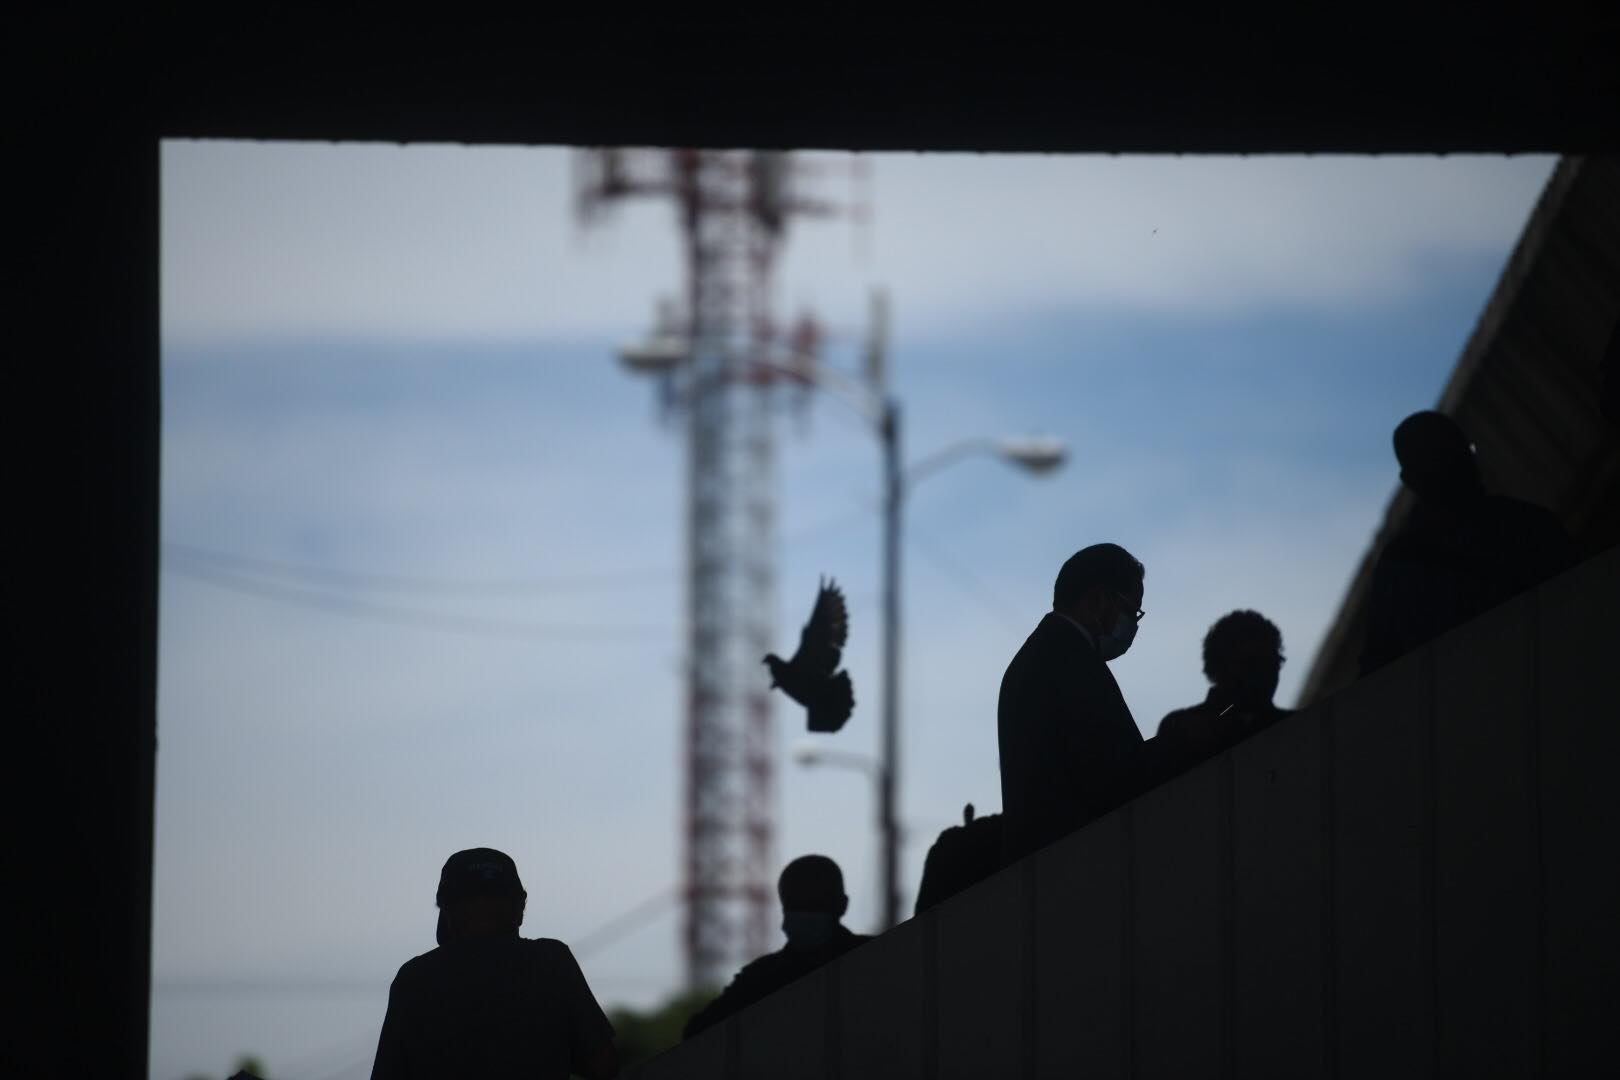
x=1139, y=611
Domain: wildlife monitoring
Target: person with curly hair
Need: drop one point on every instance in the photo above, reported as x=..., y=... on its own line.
x=1243, y=658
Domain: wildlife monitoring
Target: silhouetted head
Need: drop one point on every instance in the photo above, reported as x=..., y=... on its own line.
x=1437, y=460
x=777, y=666
x=1243, y=656
x=812, y=883
x=479, y=895
x=1100, y=587
x=813, y=900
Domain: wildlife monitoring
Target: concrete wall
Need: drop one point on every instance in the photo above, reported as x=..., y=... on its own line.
x=1417, y=877
x=82, y=601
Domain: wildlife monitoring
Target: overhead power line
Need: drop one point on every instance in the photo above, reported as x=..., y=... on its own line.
x=246, y=574
x=445, y=622
x=331, y=577
x=415, y=583
x=620, y=925
x=966, y=582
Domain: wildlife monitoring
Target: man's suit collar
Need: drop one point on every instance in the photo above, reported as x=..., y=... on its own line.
x=1068, y=625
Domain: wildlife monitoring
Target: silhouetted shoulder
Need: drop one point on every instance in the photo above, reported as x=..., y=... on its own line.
x=415, y=966
x=548, y=956
x=1522, y=512
x=762, y=968
x=1534, y=536
x=767, y=974
x=1178, y=720
x=1532, y=519
x=549, y=949
x=1184, y=737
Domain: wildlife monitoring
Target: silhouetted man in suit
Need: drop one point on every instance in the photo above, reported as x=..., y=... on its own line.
x=1461, y=552
x=812, y=891
x=1070, y=751
x=486, y=1002
x=1243, y=659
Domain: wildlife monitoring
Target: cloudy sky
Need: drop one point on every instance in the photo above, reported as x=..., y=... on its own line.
x=421, y=586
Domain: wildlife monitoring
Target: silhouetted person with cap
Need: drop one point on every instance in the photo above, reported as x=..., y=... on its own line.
x=1461, y=552
x=812, y=891
x=1070, y=751
x=1243, y=658
x=486, y=1002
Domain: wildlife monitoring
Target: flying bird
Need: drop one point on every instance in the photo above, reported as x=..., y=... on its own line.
x=809, y=677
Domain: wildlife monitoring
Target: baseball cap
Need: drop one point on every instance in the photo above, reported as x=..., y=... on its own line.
x=474, y=871
x=471, y=872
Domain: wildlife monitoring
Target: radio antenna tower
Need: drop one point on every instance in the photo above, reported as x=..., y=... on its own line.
x=717, y=362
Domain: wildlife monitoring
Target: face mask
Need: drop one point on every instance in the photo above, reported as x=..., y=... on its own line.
x=1115, y=642
x=807, y=929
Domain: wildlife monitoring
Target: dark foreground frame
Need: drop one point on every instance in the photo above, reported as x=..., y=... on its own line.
x=98, y=97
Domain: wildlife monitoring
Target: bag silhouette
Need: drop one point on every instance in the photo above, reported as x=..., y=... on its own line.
x=962, y=856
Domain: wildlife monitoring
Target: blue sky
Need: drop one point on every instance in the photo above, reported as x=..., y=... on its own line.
x=398, y=361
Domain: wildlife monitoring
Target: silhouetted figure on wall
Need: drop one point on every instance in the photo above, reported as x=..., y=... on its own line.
x=962, y=856
x=1069, y=748
x=1243, y=658
x=1461, y=552
x=812, y=891
x=486, y=1002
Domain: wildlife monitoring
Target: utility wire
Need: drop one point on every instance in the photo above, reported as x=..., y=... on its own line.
x=211, y=567
x=411, y=583
x=966, y=581
x=356, y=607
x=620, y=925
x=333, y=577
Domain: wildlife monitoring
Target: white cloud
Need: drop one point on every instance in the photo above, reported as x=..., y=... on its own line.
x=384, y=241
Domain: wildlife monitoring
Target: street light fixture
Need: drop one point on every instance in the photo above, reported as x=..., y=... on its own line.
x=665, y=349
x=1033, y=453
x=658, y=355
x=810, y=754
x=1038, y=454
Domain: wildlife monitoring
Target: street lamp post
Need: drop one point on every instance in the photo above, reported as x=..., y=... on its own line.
x=1035, y=455
x=889, y=770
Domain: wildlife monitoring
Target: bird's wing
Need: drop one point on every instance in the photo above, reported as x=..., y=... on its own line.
x=822, y=641
x=829, y=710
x=830, y=617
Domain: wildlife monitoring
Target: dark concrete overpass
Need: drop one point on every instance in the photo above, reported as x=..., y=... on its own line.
x=1415, y=877
x=92, y=91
